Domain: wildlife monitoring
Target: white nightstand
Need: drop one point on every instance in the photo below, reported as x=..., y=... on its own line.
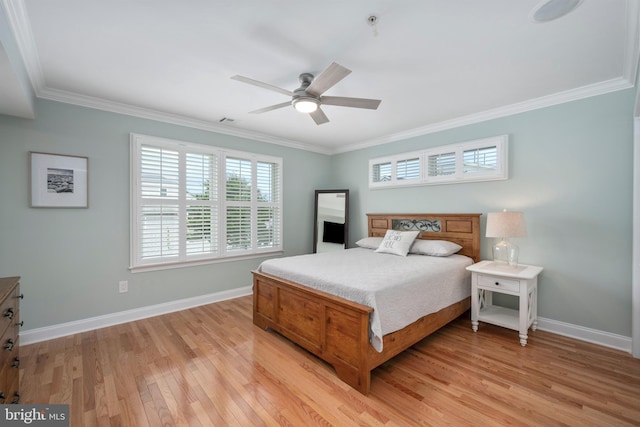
x=488, y=277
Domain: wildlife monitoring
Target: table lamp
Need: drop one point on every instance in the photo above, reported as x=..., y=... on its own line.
x=503, y=225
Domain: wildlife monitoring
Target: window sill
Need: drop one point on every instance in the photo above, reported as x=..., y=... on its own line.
x=183, y=264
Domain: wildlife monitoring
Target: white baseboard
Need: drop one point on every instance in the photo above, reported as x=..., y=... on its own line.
x=32, y=336
x=593, y=336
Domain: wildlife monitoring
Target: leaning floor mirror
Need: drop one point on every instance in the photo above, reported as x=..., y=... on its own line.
x=331, y=225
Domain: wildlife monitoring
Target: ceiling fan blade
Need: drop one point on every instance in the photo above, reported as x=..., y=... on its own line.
x=342, y=101
x=271, y=107
x=262, y=85
x=326, y=79
x=319, y=117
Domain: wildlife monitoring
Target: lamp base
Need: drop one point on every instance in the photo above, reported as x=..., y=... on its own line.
x=505, y=252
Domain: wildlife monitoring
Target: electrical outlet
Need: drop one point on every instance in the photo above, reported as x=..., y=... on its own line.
x=123, y=286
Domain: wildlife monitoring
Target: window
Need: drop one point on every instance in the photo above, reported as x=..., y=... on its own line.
x=480, y=160
x=408, y=169
x=195, y=203
x=381, y=172
x=441, y=164
x=391, y=170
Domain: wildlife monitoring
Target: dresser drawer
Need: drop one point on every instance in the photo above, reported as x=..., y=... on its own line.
x=8, y=345
x=9, y=356
x=8, y=311
x=493, y=282
x=9, y=376
x=9, y=336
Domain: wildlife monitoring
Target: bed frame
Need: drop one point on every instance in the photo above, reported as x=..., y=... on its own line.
x=337, y=330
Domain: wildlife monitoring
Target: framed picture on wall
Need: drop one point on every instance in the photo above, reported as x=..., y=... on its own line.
x=58, y=181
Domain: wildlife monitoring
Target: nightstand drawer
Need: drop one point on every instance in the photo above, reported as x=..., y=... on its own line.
x=493, y=282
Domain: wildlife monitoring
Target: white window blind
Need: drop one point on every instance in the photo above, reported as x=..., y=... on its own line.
x=381, y=172
x=441, y=164
x=159, y=219
x=177, y=214
x=269, y=223
x=479, y=160
x=239, y=180
x=408, y=169
x=202, y=203
x=404, y=169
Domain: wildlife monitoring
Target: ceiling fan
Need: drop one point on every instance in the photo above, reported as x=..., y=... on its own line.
x=308, y=97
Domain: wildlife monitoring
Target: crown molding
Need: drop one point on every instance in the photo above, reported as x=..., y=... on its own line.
x=17, y=17
x=160, y=116
x=521, y=107
x=496, y=113
x=19, y=23
x=632, y=42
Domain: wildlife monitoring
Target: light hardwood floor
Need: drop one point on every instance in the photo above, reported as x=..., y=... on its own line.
x=211, y=366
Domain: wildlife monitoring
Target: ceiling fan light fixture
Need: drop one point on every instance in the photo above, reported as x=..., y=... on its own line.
x=305, y=104
x=548, y=10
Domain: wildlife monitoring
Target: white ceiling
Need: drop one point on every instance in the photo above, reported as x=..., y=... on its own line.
x=433, y=63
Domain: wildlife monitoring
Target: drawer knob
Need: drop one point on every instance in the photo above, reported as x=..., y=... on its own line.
x=3, y=398
x=21, y=296
x=9, y=345
x=16, y=362
x=16, y=397
x=497, y=283
x=20, y=323
x=9, y=313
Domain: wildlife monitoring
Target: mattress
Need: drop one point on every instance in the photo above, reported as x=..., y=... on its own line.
x=399, y=289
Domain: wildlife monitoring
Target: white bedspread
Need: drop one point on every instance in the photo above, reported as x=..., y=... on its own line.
x=399, y=289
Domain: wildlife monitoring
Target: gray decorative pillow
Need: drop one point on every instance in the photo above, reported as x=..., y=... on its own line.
x=369, y=242
x=397, y=242
x=434, y=247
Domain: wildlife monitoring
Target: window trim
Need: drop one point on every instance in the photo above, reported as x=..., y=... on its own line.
x=501, y=173
x=137, y=264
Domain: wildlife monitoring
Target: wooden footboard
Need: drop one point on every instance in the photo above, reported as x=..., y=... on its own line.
x=337, y=330
x=334, y=329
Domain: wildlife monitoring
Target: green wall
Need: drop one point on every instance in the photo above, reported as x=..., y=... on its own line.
x=71, y=260
x=570, y=171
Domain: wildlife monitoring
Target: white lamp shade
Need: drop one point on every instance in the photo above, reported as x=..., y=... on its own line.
x=506, y=224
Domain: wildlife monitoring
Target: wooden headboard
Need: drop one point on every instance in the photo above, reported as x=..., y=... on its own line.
x=463, y=229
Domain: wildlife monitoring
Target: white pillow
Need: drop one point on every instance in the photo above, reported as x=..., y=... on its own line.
x=369, y=242
x=434, y=247
x=397, y=242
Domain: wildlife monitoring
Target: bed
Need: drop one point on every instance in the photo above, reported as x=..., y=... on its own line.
x=339, y=330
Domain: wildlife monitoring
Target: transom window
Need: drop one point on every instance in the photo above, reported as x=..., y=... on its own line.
x=479, y=160
x=195, y=203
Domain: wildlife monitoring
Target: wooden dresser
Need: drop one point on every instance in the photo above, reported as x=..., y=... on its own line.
x=10, y=297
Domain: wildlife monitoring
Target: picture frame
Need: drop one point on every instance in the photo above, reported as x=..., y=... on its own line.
x=58, y=181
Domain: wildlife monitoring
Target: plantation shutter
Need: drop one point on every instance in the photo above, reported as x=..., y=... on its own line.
x=268, y=205
x=159, y=191
x=239, y=179
x=441, y=164
x=381, y=172
x=480, y=160
x=408, y=169
x=194, y=203
x=201, y=204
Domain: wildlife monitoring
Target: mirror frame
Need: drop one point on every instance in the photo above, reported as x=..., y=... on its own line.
x=346, y=217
